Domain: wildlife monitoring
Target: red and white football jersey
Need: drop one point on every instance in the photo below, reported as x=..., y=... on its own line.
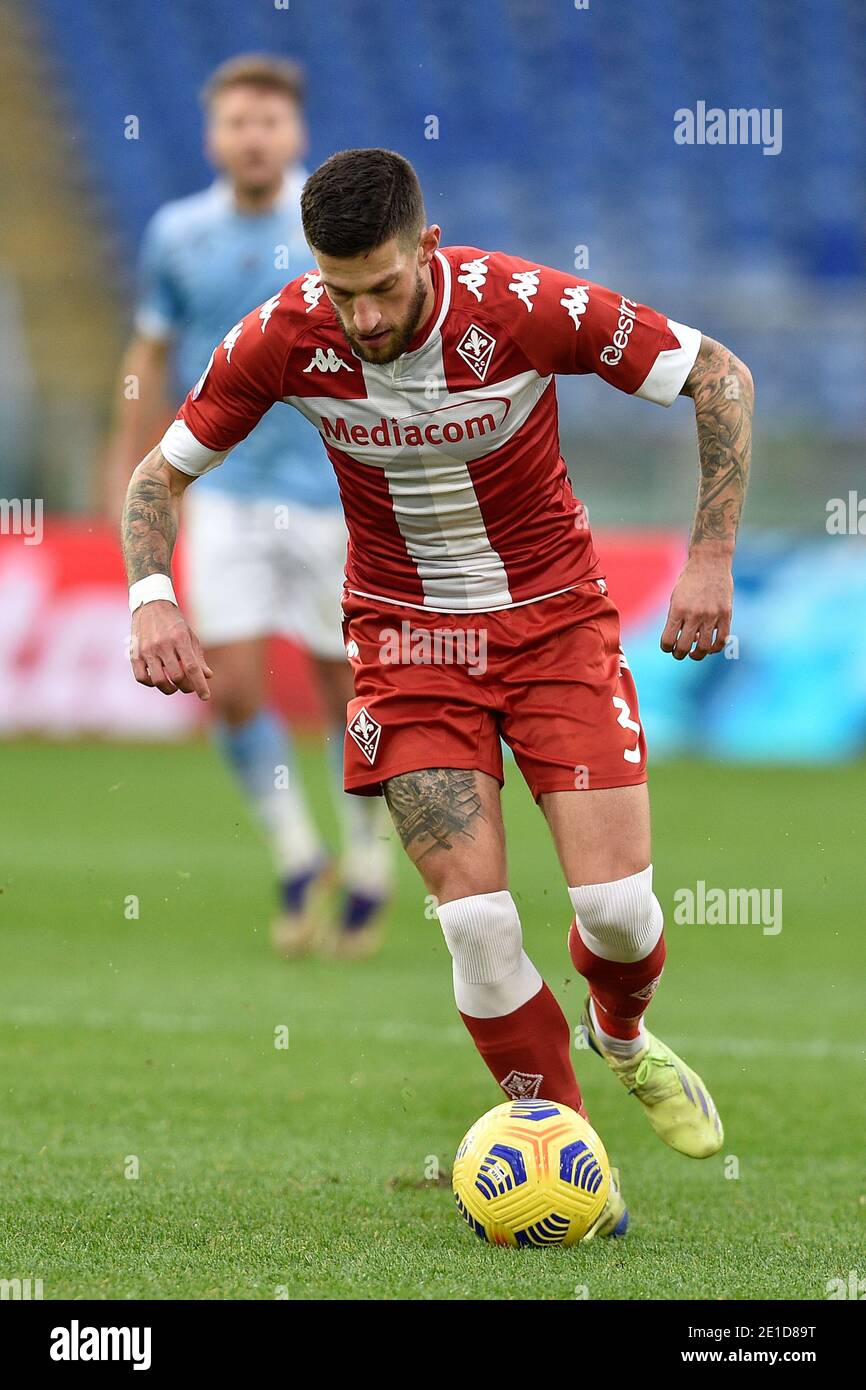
x=455, y=492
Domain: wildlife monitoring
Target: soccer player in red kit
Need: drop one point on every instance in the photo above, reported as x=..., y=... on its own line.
x=475, y=606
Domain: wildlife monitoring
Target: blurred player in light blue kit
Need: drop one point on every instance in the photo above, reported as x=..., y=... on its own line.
x=265, y=537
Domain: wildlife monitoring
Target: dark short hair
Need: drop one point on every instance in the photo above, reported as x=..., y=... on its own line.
x=359, y=199
x=260, y=70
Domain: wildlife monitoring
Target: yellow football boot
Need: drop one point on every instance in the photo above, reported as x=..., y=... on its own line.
x=674, y=1098
x=614, y=1214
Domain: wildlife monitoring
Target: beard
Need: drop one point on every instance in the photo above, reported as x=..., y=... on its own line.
x=258, y=180
x=399, y=336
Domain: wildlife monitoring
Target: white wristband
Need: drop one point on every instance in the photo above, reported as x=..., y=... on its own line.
x=149, y=589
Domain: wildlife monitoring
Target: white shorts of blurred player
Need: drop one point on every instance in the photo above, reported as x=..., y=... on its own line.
x=260, y=568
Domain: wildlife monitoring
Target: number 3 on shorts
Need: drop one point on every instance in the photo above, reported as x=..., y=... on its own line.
x=631, y=755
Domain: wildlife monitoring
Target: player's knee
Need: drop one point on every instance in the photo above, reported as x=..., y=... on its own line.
x=493, y=975
x=235, y=705
x=484, y=936
x=619, y=921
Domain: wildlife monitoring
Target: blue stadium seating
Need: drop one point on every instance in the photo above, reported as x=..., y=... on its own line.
x=555, y=123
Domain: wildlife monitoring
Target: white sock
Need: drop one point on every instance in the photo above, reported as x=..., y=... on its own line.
x=261, y=752
x=366, y=832
x=492, y=973
x=294, y=839
x=618, y=1047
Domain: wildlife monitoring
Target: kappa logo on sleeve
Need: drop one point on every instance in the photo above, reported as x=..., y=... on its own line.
x=476, y=349
x=322, y=361
x=524, y=283
x=366, y=733
x=475, y=275
x=230, y=340
x=312, y=289
x=267, y=309
x=575, y=300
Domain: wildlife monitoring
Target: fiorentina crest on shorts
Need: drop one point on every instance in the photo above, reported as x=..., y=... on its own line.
x=366, y=733
x=522, y=1085
x=476, y=349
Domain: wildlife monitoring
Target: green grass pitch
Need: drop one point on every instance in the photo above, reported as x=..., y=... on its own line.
x=304, y=1171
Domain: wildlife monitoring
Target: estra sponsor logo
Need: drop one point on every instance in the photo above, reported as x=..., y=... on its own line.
x=440, y=428
x=612, y=354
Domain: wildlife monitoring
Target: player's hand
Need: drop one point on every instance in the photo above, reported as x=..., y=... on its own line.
x=699, y=617
x=166, y=653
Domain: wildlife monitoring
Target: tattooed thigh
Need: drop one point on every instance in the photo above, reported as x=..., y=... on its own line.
x=450, y=823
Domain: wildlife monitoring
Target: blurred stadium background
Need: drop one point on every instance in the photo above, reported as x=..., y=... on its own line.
x=154, y=1038
x=555, y=132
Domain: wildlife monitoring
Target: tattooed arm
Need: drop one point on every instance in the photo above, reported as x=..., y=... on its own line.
x=165, y=653
x=699, y=619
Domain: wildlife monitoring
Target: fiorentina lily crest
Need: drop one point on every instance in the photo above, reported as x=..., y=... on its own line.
x=366, y=732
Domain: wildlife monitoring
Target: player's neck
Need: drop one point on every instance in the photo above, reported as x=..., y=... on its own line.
x=425, y=320
x=429, y=298
x=255, y=201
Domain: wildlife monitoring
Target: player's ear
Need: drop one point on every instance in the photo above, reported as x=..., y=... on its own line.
x=428, y=243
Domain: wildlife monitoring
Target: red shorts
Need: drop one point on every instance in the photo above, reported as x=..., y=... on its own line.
x=441, y=690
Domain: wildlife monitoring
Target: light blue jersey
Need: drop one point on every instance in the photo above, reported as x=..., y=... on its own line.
x=203, y=266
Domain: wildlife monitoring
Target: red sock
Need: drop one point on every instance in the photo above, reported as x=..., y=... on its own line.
x=529, y=1051
x=621, y=990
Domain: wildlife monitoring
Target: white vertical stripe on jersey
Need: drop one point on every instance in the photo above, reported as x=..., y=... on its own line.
x=436, y=507
x=434, y=500
x=435, y=504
